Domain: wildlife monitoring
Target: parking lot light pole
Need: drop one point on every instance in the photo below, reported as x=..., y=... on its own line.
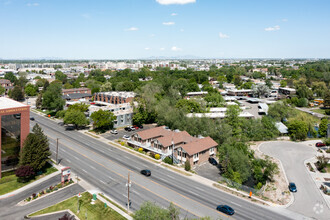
x=128, y=184
x=56, y=151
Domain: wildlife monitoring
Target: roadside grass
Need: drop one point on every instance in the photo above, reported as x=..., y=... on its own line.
x=113, y=203
x=319, y=110
x=47, y=112
x=303, y=116
x=8, y=182
x=96, y=211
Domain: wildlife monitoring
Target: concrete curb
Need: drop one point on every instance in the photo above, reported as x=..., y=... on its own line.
x=322, y=194
x=51, y=213
x=282, y=168
x=30, y=185
x=127, y=216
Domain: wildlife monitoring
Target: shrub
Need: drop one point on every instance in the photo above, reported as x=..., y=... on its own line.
x=24, y=173
x=140, y=149
x=47, y=191
x=122, y=143
x=168, y=160
x=60, y=114
x=157, y=156
x=259, y=185
x=327, y=111
x=187, y=166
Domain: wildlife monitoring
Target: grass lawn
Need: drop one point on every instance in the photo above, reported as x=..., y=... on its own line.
x=8, y=182
x=95, y=212
x=47, y=112
x=321, y=111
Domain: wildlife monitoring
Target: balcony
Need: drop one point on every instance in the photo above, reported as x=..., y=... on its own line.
x=148, y=147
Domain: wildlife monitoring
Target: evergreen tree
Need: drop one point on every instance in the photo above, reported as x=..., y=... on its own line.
x=17, y=93
x=323, y=127
x=35, y=151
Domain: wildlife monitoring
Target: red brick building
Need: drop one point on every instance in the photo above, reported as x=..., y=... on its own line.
x=76, y=90
x=114, y=97
x=15, y=126
x=5, y=83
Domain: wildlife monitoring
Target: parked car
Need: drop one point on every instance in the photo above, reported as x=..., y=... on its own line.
x=126, y=137
x=128, y=129
x=136, y=127
x=141, y=126
x=132, y=128
x=320, y=144
x=213, y=161
x=114, y=132
x=146, y=172
x=292, y=187
x=32, y=118
x=226, y=209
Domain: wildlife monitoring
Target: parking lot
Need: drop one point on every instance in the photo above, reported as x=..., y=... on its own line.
x=122, y=132
x=209, y=171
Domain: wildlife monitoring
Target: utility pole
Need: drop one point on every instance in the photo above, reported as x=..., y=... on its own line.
x=128, y=186
x=56, y=151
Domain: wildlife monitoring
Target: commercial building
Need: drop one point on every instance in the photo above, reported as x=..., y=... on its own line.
x=114, y=97
x=15, y=126
x=175, y=144
x=286, y=91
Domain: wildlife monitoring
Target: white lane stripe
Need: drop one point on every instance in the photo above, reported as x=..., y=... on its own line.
x=236, y=204
x=200, y=189
x=125, y=195
x=136, y=193
x=64, y=150
x=169, y=176
x=68, y=160
x=76, y=157
x=193, y=193
x=102, y=182
x=92, y=167
x=84, y=170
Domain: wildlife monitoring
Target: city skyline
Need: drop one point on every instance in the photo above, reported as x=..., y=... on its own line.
x=131, y=29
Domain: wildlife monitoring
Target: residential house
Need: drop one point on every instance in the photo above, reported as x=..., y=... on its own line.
x=5, y=83
x=114, y=97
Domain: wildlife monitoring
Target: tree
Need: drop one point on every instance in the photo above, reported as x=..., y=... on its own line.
x=11, y=77
x=2, y=90
x=61, y=76
x=103, y=119
x=278, y=111
x=17, y=93
x=35, y=151
x=76, y=118
x=30, y=90
x=82, y=107
x=326, y=99
x=283, y=83
x=260, y=90
x=52, y=98
x=106, y=87
x=67, y=86
x=188, y=106
x=21, y=81
x=24, y=173
x=181, y=85
x=150, y=210
x=214, y=99
x=323, y=127
x=232, y=118
x=298, y=130
x=187, y=166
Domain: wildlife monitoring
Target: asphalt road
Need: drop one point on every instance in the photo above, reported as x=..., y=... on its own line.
x=10, y=210
x=107, y=167
x=292, y=156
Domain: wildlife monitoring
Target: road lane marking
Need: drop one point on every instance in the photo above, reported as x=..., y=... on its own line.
x=136, y=193
x=236, y=204
x=102, y=182
x=84, y=170
x=68, y=160
x=193, y=192
x=169, y=176
x=200, y=189
x=76, y=157
x=92, y=167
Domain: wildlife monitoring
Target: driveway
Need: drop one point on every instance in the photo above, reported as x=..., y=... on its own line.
x=122, y=132
x=308, y=200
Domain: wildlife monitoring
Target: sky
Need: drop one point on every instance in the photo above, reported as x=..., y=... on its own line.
x=137, y=29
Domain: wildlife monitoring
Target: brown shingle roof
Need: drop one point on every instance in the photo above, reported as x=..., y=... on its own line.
x=199, y=145
x=177, y=137
x=153, y=133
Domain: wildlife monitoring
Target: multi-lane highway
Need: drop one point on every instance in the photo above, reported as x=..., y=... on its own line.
x=107, y=167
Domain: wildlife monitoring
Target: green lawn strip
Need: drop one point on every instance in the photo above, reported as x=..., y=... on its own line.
x=321, y=111
x=9, y=183
x=113, y=203
x=96, y=211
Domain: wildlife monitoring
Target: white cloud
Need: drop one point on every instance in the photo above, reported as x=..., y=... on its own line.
x=174, y=48
x=174, y=14
x=169, y=23
x=275, y=28
x=147, y=48
x=32, y=4
x=223, y=36
x=132, y=29
x=162, y=48
x=284, y=19
x=176, y=2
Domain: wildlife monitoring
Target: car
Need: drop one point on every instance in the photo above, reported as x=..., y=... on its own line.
x=146, y=172
x=226, y=209
x=128, y=129
x=114, y=132
x=141, y=126
x=213, y=161
x=132, y=128
x=32, y=118
x=126, y=137
x=136, y=127
x=292, y=187
x=320, y=144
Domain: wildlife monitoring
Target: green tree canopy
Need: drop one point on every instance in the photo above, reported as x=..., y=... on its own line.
x=52, y=98
x=106, y=87
x=79, y=106
x=149, y=210
x=298, y=130
x=2, y=90
x=35, y=152
x=189, y=105
x=214, y=99
x=17, y=93
x=103, y=119
x=61, y=76
x=323, y=127
x=30, y=90
x=76, y=118
x=11, y=77
x=278, y=111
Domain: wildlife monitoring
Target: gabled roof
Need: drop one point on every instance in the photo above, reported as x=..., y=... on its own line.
x=199, y=145
x=177, y=137
x=153, y=133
